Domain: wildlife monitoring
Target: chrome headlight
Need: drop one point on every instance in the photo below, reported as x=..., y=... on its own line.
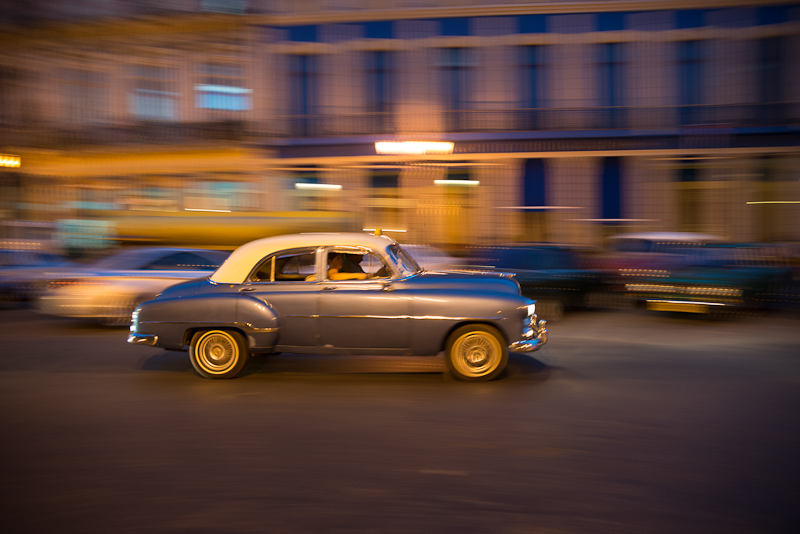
x=135, y=320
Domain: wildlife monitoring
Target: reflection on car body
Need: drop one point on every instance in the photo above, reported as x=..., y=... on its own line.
x=275, y=295
x=110, y=289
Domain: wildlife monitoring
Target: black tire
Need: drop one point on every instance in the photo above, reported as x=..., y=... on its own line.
x=218, y=353
x=476, y=353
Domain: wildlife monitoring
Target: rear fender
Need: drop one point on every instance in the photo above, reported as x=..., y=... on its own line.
x=259, y=321
x=175, y=320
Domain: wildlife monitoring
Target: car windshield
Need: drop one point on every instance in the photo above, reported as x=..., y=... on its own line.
x=405, y=262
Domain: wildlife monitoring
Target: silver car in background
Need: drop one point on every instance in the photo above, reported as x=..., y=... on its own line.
x=111, y=288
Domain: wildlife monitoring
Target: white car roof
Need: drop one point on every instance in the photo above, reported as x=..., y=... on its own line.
x=243, y=259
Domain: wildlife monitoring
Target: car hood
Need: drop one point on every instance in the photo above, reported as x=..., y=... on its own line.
x=484, y=281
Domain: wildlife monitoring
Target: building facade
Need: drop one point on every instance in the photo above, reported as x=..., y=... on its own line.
x=563, y=122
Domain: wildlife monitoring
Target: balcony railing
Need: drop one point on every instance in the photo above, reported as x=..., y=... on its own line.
x=126, y=134
x=622, y=119
x=546, y=119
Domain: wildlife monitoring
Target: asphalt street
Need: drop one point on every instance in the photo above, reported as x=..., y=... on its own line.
x=624, y=422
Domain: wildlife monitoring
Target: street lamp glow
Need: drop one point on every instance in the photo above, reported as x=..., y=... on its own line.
x=776, y=202
x=414, y=148
x=7, y=160
x=467, y=183
x=318, y=187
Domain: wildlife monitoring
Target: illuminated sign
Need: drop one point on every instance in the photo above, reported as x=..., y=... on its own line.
x=467, y=183
x=318, y=187
x=7, y=160
x=413, y=148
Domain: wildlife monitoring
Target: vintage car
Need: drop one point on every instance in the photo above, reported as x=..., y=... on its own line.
x=296, y=294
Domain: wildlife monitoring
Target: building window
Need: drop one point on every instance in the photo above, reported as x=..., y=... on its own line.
x=611, y=190
x=770, y=78
x=153, y=96
x=210, y=195
x=303, y=92
x=532, y=79
x=222, y=87
x=379, y=81
x=308, y=198
x=535, y=197
x=384, y=200
x=690, y=200
x=236, y=7
x=455, y=66
x=85, y=96
x=691, y=57
x=611, y=70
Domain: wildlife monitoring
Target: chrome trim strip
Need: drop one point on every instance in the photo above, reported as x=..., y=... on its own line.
x=525, y=346
x=143, y=339
x=213, y=323
x=252, y=328
x=180, y=322
x=693, y=302
x=414, y=317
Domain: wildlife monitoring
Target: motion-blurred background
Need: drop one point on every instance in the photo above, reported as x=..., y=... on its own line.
x=455, y=124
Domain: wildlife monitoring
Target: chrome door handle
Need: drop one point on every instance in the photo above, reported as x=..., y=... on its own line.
x=329, y=288
x=247, y=289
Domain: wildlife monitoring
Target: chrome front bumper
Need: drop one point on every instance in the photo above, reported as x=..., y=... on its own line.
x=539, y=330
x=143, y=339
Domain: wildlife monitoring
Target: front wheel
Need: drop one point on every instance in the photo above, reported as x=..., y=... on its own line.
x=218, y=353
x=476, y=353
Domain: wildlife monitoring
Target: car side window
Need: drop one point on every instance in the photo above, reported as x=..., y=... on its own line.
x=287, y=266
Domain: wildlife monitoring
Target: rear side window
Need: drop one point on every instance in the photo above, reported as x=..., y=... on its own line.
x=286, y=266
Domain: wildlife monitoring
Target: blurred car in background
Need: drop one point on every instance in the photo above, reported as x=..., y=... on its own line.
x=23, y=274
x=432, y=258
x=720, y=279
x=111, y=288
x=628, y=257
x=553, y=275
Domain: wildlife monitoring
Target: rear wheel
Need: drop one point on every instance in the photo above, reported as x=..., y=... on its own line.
x=218, y=353
x=476, y=353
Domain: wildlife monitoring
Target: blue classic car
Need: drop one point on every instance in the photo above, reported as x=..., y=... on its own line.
x=340, y=294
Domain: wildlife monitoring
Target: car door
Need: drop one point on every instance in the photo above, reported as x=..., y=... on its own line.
x=364, y=316
x=280, y=281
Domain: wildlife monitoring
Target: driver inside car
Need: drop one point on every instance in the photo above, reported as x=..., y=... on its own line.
x=342, y=267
